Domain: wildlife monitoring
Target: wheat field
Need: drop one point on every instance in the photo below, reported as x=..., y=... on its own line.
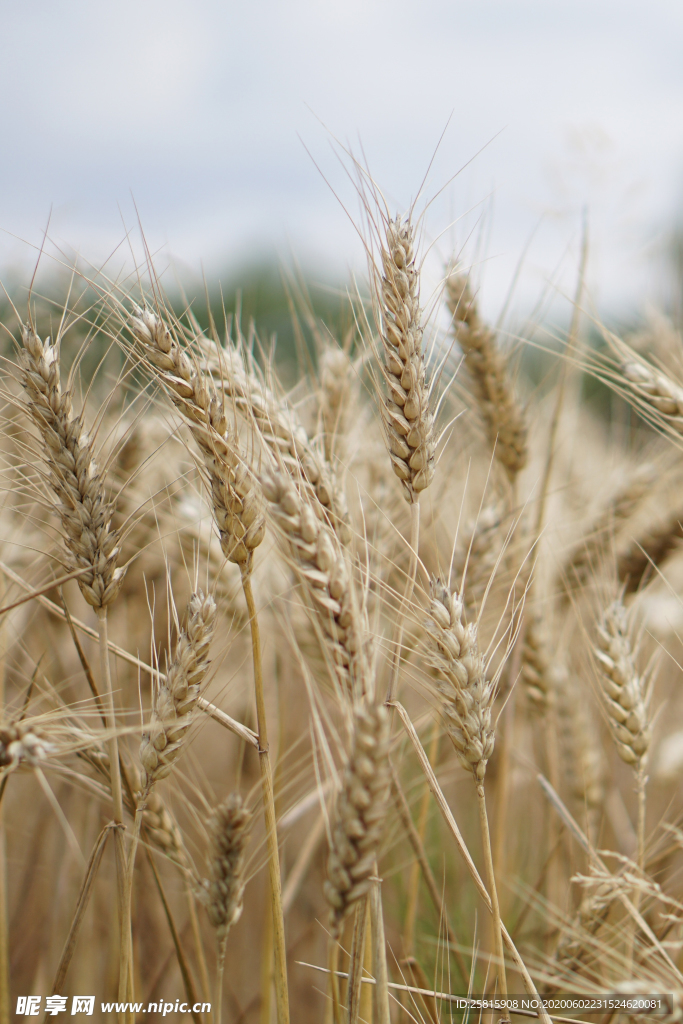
x=331, y=695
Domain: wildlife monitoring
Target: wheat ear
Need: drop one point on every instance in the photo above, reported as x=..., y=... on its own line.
x=623, y=503
x=359, y=815
x=647, y=552
x=321, y=566
x=582, y=755
x=235, y=494
x=280, y=430
x=407, y=420
x=490, y=378
x=175, y=699
x=625, y=698
x=336, y=399
x=223, y=891
x=661, y=398
x=91, y=544
x=466, y=699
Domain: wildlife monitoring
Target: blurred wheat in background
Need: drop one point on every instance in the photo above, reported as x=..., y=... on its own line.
x=338, y=684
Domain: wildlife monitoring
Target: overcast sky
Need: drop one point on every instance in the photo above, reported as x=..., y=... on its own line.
x=203, y=112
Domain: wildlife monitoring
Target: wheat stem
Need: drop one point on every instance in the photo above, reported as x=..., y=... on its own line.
x=356, y=962
x=407, y=596
x=493, y=890
x=269, y=811
x=414, y=881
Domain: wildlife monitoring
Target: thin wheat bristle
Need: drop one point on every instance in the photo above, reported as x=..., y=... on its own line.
x=475, y=560
x=408, y=423
x=466, y=694
x=86, y=514
x=223, y=891
x=176, y=695
x=622, y=687
x=360, y=814
x=490, y=377
x=319, y=561
x=235, y=494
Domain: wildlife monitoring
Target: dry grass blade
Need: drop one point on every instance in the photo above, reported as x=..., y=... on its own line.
x=81, y=907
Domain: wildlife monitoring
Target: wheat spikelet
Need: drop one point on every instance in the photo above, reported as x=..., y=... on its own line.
x=86, y=515
x=319, y=561
x=176, y=696
x=235, y=495
x=656, y=392
x=465, y=693
x=622, y=687
x=359, y=815
x=488, y=369
x=408, y=424
x=223, y=891
x=648, y=551
x=581, y=749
